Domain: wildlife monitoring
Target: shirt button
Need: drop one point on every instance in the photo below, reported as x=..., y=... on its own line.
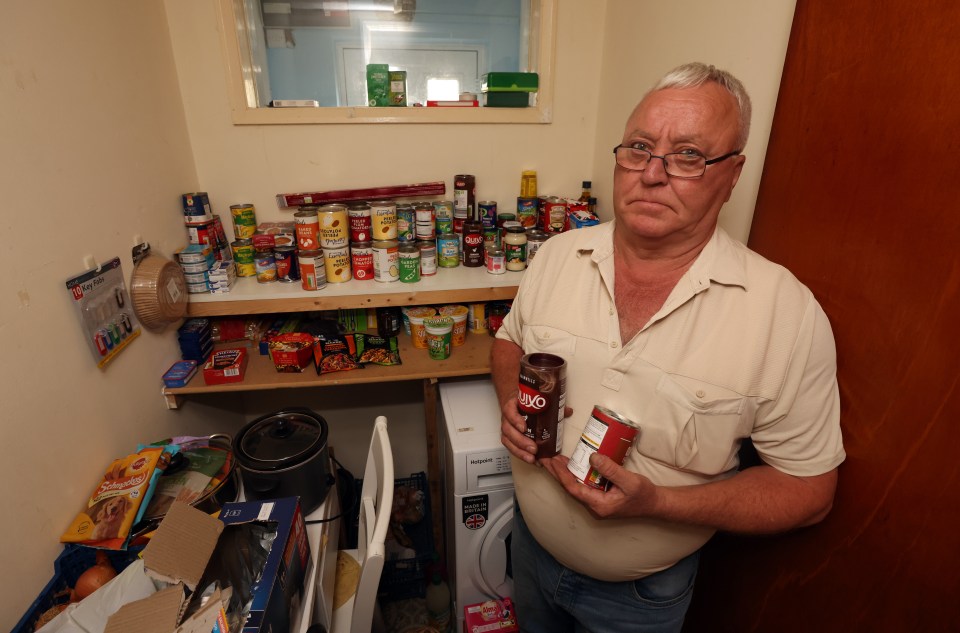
x=611, y=311
x=614, y=344
x=546, y=335
x=701, y=394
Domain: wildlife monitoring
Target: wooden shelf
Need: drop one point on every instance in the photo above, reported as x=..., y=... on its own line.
x=449, y=285
x=470, y=359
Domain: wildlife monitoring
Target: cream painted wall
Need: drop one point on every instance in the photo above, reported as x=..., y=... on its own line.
x=94, y=151
x=254, y=163
x=643, y=39
x=103, y=126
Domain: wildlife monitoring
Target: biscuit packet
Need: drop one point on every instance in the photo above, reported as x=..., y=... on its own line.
x=120, y=500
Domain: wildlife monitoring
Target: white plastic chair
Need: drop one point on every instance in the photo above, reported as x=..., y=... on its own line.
x=376, y=503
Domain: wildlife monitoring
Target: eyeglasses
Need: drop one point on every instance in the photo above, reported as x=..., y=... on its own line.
x=686, y=164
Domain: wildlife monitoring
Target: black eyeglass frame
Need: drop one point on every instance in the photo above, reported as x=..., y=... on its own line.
x=706, y=163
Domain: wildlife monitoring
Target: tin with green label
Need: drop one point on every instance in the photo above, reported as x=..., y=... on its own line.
x=409, y=263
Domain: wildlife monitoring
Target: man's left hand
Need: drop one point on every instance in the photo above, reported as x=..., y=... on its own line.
x=630, y=494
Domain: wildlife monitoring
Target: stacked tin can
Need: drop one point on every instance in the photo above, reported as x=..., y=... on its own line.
x=334, y=228
x=203, y=225
x=196, y=260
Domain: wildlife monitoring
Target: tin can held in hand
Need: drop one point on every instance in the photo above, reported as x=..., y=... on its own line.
x=607, y=433
x=541, y=400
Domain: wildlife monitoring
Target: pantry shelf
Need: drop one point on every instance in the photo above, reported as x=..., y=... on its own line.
x=470, y=359
x=460, y=285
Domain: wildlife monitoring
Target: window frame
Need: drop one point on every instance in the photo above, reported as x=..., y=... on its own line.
x=241, y=84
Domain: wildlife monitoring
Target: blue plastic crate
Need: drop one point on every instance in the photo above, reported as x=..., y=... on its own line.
x=405, y=578
x=72, y=561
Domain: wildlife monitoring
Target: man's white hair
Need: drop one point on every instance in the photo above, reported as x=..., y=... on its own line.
x=696, y=74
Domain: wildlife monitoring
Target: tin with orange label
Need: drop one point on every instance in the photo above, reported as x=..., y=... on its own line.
x=313, y=274
x=541, y=399
x=307, y=227
x=607, y=433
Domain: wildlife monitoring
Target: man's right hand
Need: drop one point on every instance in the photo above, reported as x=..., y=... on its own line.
x=512, y=426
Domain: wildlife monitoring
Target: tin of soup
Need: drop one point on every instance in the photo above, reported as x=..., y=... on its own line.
x=541, y=400
x=607, y=433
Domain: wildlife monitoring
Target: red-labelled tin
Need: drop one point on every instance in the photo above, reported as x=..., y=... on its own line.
x=607, y=433
x=541, y=399
x=288, y=266
x=361, y=227
x=361, y=259
x=205, y=233
x=554, y=215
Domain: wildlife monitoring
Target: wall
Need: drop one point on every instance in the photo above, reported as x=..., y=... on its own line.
x=643, y=40
x=95, y=151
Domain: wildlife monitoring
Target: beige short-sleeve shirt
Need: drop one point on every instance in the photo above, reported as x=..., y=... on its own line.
x=739, y=349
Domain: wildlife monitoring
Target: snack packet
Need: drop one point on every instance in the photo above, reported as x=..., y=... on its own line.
x=120, y=500
x=336, y=353
x=376, y=350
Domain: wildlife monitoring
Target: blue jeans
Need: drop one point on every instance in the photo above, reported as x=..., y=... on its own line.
x=550, y=598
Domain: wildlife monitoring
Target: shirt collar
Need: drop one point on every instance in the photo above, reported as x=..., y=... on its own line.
x=720, y=260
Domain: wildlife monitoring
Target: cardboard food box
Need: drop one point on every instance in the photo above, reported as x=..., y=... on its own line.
x=492, y=615
x=190, y=543
x=225, y=365
x=378, y=85
x=509, y=82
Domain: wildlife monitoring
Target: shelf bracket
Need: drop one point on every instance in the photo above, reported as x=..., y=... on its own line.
x=171, y=400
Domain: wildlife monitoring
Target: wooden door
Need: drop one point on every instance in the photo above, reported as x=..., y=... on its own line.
x=860, y=198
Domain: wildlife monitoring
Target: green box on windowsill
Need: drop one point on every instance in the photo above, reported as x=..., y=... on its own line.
x=506, y=99
x=509, y=82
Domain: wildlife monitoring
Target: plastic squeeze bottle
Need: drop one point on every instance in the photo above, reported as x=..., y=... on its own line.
x=438, y=604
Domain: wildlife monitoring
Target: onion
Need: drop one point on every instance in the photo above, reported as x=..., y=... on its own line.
x=93, y=578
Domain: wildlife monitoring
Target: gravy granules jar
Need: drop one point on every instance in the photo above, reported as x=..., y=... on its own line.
x=541, y=400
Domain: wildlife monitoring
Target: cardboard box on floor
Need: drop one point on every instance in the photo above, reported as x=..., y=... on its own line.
x=179, y=552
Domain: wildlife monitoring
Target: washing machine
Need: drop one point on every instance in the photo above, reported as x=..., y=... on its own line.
x=478, y=494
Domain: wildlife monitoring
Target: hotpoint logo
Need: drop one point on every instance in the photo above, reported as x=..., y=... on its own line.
x=477, y=462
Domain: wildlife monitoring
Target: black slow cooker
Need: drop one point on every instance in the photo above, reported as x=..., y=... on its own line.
x=284, y=454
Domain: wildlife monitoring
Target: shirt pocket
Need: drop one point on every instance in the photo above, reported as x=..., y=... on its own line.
x=694, y=426
x=550, y=340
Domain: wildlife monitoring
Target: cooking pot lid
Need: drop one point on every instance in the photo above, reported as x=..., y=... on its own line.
x=282, y=439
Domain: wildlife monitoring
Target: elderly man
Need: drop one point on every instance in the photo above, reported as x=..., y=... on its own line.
x=665, y=319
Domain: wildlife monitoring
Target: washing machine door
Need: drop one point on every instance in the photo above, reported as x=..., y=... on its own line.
x=493, y=574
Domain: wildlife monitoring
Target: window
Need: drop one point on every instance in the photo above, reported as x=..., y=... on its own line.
x=317, y=50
